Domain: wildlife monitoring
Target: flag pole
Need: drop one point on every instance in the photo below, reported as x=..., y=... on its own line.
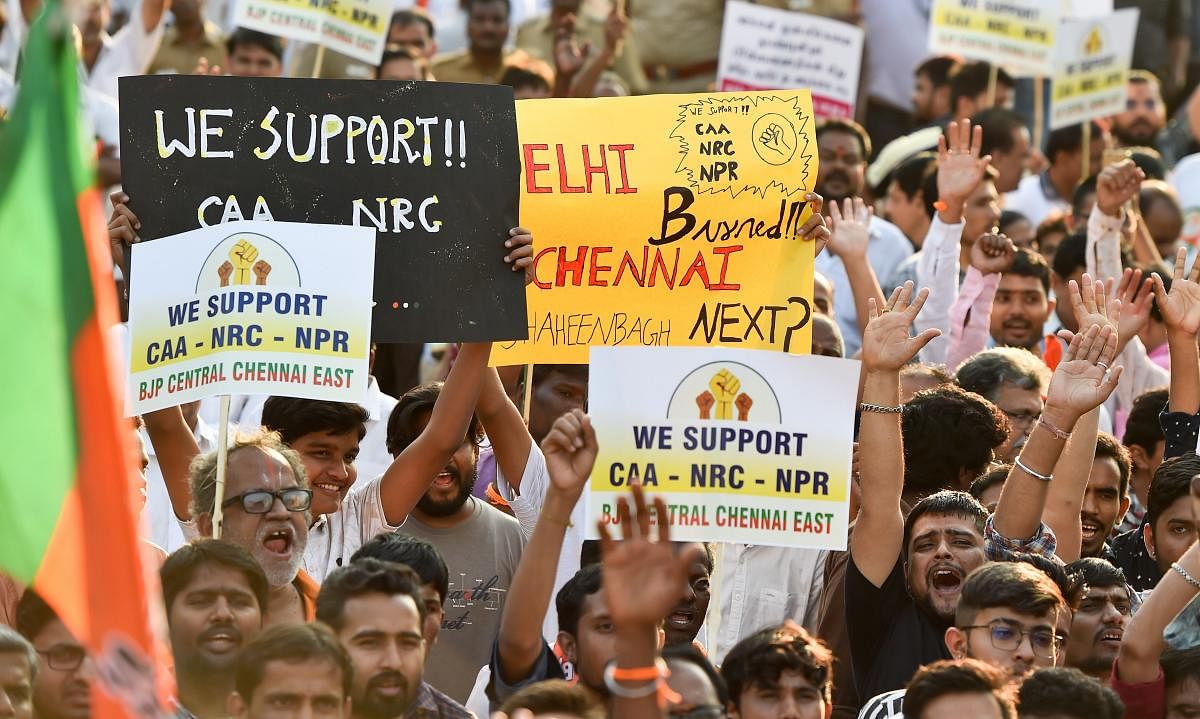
x=1086, y=133
x=993, y=78
x=527, y=394
x=1039, y=110
x=222, y=457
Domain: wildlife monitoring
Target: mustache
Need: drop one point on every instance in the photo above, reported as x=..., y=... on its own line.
x=387, y=678
x=229, y=629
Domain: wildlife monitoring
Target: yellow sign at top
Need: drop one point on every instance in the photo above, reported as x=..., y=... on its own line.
x=666, y=220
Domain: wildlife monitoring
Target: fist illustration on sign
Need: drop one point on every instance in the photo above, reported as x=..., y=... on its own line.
x=242, y=256
x=705, y=402
x=743, y=404
x=261, y=270
x=224, y=272
x=724, y=386
x=774, y=138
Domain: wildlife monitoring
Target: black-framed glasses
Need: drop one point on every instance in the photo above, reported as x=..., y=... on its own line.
x=64, y=657
x=1021, y=419
x=260, y=501
x=1007, y=637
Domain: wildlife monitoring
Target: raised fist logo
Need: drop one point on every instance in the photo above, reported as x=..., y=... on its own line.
x=724, y=386
x=774, y=138
x=242, y=256
x=705, y=402
x=743, y=404
x=225, y=271
x=261, y=270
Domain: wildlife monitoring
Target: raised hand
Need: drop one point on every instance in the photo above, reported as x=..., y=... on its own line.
x=851, y=225
x=1085, y=377
x=642, y=579
x=1091, y=303
x=1180, y=307
x=960, y=168
x=1116, y=185
x=1135, y=294
x=992, y=254
x=615, y=27
x=570, y=450
x=886, y=345
x=520, y=256
x=569, y=56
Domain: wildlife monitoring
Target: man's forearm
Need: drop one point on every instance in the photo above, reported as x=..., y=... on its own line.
x=1023, y=498
x=1185, y=373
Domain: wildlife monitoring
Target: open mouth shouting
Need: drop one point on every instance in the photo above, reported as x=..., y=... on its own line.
x=279, y=540
x=945, y=580
x=1110, y=637
x=1091, y=531
x=446, y=479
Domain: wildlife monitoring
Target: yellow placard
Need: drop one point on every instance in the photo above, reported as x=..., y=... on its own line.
x=668, y=220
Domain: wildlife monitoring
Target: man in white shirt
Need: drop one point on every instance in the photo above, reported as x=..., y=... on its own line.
x=164, y=530
x=1039, y=196
x=129, y=52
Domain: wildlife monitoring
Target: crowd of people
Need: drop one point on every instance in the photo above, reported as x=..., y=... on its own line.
x=1025, y=485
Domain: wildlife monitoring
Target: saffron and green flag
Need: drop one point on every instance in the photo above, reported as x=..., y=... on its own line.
x=67, y=523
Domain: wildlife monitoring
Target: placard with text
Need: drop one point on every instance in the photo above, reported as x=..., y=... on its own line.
x=1018, y=35
x=666, y=220
x=251, y=308
x=1091, y=67
x=431, y=168
x=357, y=28
x=745, y=446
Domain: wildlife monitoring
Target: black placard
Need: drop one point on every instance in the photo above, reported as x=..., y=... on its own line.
x=433, y=282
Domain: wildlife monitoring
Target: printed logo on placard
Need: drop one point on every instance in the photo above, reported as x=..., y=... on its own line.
x=248, y=258
x=725, y=391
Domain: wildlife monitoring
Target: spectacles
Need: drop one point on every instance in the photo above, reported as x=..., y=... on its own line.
x=65, y=657
x=1007, y=637
x=705, y=711
x=260, y=501
x=1023, y=419
x=1149, y=104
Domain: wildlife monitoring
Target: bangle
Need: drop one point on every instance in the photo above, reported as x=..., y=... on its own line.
x=655, y=676
x=1031, y=473
x=880, y=409
x=1186, y=575
x=1046, y=425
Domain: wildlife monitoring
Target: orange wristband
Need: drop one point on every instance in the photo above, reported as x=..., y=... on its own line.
x=637, y=674
x=940, y=206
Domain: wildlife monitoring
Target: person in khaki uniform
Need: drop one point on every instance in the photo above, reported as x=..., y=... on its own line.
x=536, y=37
x=189, y=39
x=484, y=60
x=678, y=42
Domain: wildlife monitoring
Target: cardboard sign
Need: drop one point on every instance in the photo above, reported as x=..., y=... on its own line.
x=1185, y=178
x=745, y=446
x=431, y=167
x=669, y=220
x=278, y=308
x=1091, y=67
x=1018, y=35
x=357, y=28
x=765, y=48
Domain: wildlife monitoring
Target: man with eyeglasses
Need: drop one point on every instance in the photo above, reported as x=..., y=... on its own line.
x=1014, y=380
x=1007, y=617
x=1098, y=625
x=63, y=680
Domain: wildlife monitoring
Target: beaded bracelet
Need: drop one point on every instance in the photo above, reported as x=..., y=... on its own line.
x=1186, y=575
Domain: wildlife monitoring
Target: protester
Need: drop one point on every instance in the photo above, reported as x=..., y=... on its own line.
x=1037, y=196
x=18, y=670
x=1063, y=693
x=295, y=669
x=1098, y=625
x=964, y=687
x=254, y=54
x=423, y=558
x=62, y=680
x=484, y=59
x=779, y=672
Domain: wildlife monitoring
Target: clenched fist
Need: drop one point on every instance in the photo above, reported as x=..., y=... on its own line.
x=724, y=386
x=225, y=271
x=743, y=404
x=261, y=269
x=242, y=256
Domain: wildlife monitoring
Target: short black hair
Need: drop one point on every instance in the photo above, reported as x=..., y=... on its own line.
x=245, y=36
x=999, y=126
x=401, y=52
x=1180, y=665
x=1108, y=446
x=32, y=614
x=909, y=175
x=412, y=16
x=959, y=676
x=291, y=643
x=1055, y=224
x=930, y=463
x=569, y=602
x=760, y=659
x=294, y=417
x=971, y=79
x=1018, y=586
x=937, y=69
x=690, y=654
x=947, y=503
x=1084, y=191
x=994, y=476
x=1142, y=428
x=542, y=372
x=366, y=576
x=1097, y=572
x=1069, y=139
x=1151, y=165
x=183, y=563
x=1071, y=255
x=518, y=78
x=1008, y=218
x=1071, y=585
x=849, y=127
x=415, y=553
x=1067, y=692
x=402, y=427
x=1172, y=480
x=1027, y=263
x=469, y=5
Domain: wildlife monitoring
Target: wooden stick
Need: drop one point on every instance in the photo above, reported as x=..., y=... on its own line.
x=527, y=397
x=712, y=620
x=993, y=78
x=222, y=457
x=1087, y=149
x=320, y=60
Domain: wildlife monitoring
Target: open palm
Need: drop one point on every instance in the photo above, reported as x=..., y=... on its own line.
x=1180, y=307
x=887, y=345
x=1082, y=382
x=960, y=169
